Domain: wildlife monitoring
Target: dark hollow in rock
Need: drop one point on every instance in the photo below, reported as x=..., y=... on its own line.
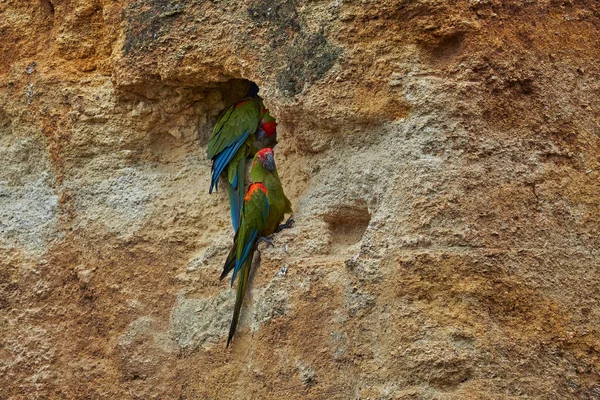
x=48, y=6
x=347, y=225
x=180, y=118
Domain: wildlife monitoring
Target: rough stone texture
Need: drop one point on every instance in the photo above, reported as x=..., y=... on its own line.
x=442, y=158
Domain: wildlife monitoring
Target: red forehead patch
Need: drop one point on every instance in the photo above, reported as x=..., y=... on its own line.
x=253, y=188
x=270, y=128
x=263, y=153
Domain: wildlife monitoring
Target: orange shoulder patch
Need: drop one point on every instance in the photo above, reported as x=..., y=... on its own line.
x=241, y=103
x=253, y=188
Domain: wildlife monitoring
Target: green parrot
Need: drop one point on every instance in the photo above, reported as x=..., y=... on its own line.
x=264, y=207
x=242, y=130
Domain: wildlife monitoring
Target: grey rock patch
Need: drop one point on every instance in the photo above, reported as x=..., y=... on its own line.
x=358, y=301
x=272, y=303
x=28, y=201
x=145, y=329
x=140, y=327
x=307, y=374
x=201, y=322
x=122, y=203
x=204, y=260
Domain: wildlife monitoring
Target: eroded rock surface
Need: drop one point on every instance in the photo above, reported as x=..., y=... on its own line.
x=442, y=158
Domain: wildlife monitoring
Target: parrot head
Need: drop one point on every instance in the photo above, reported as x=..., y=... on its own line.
x=267, y=127
x=266, y=158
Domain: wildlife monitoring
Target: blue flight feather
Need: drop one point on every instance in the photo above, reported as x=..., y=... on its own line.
x=247, y=247
x=221, y=160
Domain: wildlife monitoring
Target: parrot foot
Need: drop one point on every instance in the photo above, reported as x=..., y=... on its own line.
x=288, y=224
x=265, y=239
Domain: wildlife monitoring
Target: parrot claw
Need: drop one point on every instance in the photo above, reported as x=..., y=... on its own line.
x=265, y=239
x=288, y=224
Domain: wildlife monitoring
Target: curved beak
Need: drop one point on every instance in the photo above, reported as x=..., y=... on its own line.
x=269, y=163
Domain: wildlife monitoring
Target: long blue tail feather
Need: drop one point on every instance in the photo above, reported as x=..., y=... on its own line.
x=236, y=194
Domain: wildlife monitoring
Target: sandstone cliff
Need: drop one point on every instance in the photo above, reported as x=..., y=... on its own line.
x=442, y=158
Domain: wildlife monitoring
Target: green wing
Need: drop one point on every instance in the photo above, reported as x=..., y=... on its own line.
x=237, y=120
x=228, y=147
x=278, y=201
x=288, y=204
x=255, y=214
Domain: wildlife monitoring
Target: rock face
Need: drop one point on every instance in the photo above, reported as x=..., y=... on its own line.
x=443, y=159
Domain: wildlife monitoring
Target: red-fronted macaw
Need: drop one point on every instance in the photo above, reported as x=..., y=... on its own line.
x=263, y=210
x=242, y=130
